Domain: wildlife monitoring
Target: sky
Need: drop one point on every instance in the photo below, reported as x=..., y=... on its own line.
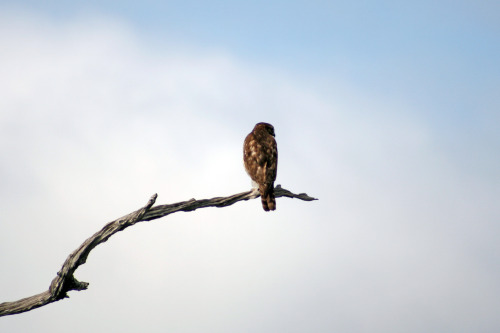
x=386, y=111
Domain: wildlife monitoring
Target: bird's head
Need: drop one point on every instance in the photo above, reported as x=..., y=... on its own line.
x=266, y=127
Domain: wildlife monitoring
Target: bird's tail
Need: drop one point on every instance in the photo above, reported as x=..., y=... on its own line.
x=267, y=197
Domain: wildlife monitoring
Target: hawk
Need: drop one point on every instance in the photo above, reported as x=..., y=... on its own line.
x=260, y=156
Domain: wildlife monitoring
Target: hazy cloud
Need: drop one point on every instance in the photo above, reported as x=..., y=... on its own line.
x=94, y=120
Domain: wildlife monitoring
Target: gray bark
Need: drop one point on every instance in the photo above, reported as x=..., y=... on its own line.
x=65, y=280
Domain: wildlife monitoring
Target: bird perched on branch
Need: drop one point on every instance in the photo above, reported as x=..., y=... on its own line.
x=260, y=156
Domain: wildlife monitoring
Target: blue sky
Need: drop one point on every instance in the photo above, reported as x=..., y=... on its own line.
x=386, y=111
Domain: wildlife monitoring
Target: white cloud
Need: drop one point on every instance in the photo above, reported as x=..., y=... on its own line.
x=93, y=121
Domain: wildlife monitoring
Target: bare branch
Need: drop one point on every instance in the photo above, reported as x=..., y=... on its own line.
x=65, y=280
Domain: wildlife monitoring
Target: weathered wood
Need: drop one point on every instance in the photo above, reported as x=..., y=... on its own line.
x=65, y=280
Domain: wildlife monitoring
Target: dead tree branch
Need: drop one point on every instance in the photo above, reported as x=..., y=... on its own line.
x=65, y=280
